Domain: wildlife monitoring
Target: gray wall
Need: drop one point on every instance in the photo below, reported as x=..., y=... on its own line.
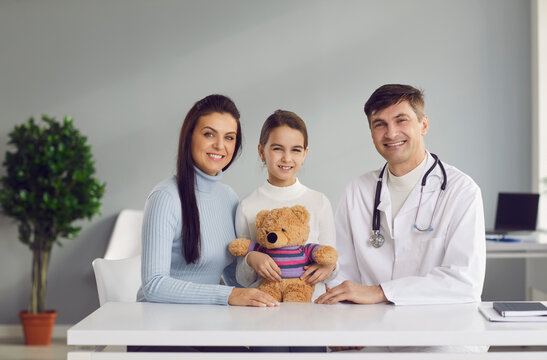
x=128, y=71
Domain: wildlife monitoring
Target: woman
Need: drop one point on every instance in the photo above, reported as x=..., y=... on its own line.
x=189, y=218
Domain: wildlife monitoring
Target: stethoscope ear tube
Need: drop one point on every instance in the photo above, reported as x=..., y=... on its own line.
x=443, y=186
x=376, y=212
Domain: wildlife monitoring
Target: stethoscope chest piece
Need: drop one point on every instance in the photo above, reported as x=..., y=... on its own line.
x=376, y=239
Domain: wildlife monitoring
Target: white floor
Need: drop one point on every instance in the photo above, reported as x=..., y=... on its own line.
x=15, y=349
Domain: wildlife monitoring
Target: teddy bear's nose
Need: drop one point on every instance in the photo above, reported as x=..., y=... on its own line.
x=272, y=237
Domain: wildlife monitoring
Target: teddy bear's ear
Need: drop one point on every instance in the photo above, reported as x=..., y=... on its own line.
x=260, y=218
x=301, y=213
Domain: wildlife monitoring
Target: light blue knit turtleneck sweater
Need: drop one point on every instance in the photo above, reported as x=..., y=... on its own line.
x=166, y=277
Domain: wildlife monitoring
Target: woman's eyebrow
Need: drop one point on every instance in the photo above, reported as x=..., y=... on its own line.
x=216, y=132
x=210, y=128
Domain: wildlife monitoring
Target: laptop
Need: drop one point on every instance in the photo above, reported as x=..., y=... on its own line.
x=516, y=212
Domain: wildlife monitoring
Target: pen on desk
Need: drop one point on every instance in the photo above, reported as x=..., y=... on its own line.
x=503, y=239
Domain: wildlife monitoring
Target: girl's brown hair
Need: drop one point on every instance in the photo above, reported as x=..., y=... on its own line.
x=283, y=118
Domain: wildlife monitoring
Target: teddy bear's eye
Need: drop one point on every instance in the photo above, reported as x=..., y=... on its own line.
x=283, y=230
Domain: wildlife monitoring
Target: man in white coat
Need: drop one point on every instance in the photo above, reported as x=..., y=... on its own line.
x=434, y=249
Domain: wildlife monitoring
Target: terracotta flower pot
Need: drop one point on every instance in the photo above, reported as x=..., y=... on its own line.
x=38, y=327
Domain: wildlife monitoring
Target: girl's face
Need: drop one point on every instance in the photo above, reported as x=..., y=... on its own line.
x=284, y=154
x=213, y=142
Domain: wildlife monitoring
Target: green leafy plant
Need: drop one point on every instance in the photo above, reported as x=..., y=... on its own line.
x=49, y=185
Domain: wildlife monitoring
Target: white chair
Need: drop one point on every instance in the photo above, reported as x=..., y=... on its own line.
x=125, y=240
x=117, y=280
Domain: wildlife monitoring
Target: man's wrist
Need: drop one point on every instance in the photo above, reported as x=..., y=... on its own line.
x=381, y=297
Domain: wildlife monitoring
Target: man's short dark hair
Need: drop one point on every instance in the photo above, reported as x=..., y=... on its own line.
x=391, y=94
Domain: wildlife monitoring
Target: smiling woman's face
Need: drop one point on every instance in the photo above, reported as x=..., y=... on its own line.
x=213, y=142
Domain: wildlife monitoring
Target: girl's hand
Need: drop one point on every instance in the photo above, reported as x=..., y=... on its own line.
x=251, y=297
x=316, y=273
x=264, y=266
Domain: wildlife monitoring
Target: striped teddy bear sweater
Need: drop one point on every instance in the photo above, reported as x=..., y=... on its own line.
x=290, y=259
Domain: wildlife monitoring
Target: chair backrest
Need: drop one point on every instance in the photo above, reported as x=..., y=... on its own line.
x=125, y=240
x=117, y=280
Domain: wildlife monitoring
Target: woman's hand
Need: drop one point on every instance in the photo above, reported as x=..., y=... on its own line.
x=264, y=266
x=251, y=297
x=316, y=273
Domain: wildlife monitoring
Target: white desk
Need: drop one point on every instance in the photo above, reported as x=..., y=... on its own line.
x=294, y=324
x=532, y=245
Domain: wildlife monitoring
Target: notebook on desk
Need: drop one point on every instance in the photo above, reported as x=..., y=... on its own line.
x=515, y=212
x=520, y=308
x=487, y=310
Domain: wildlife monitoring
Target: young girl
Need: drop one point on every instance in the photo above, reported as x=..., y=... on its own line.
x=283, y=148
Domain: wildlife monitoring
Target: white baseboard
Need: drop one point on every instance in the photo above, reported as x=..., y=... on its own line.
x=16, y=331
x=536, y=294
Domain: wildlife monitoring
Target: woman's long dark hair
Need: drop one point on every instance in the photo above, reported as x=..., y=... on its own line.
x=186, y=175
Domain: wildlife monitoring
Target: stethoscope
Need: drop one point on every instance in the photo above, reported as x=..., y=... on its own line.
x=377, y=239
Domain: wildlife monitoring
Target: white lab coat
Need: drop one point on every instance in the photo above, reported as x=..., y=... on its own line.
x=446, y=265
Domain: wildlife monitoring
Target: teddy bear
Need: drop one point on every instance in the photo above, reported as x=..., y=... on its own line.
x=282, y=233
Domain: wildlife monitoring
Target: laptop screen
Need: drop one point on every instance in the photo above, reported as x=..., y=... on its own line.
x=517, y=211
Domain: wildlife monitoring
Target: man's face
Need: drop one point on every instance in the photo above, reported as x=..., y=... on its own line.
x=398, y=135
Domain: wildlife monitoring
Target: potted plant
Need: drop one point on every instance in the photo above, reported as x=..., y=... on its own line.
x=48, y=185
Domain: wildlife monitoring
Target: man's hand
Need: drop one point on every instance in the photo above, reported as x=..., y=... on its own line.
x=315, y=273
x=351, y=291
x=264, y=266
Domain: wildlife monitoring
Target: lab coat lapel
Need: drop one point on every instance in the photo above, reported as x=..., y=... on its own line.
x=385, y=207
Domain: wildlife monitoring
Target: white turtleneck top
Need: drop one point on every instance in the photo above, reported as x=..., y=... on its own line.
x=400, y=186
